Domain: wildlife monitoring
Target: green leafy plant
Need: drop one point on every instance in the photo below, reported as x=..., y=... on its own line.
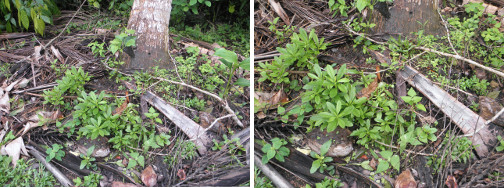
x=124, y=39
x=338, y=6
x=332, y=183
x=87, y=159
x=25, y=174
x=135, y=159
x=276, y=149
x=230, y=59
x=91, y=180
x=55, y=152
x=413, y=100
x=501, y=145
x=388, y=159
x=38, y=12
x=73, y=82
x=261, y=182
x=301, y=52
x=321, y=159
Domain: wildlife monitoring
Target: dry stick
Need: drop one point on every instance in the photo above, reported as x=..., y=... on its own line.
x=218, y=119
x=495, y=117
x=462, y=59
x=57, y=173
x=447, y=32
x=226, y=106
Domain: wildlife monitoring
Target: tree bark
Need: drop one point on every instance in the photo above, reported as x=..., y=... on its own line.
x=150, y=19
x=407, y=16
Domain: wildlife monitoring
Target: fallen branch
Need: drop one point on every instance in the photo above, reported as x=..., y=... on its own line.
x=469, y=122
x=64, y=181
x=271, y=173
x=194, y=131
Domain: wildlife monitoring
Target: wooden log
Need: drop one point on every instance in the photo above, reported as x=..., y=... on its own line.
x=468, y=121
x=193, y=130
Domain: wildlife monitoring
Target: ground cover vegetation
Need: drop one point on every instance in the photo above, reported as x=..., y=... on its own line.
x=72, y=103
x=321, y=72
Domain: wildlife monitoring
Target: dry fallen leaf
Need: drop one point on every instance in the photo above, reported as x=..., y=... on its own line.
x=181, y=174
x=271, y=99
x=47, y=117
x=149, y=177
x=367, y=91
x=123, y=106
x=405, y=180
x=13, y=149
x=451, y=182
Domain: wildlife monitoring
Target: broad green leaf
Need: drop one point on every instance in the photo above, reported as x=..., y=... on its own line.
x=280, y=110
x=192, y=2
x=315, y=166
x=23, y=18
x=242, y=82
x=395, y=162
x=325, y=147
x=382, y=166
x=208, y=3
x=229, y=56
x=271, y=153
x=245, y=64
x=386, y=154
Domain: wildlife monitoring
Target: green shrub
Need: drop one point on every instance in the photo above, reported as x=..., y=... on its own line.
x=19, y=14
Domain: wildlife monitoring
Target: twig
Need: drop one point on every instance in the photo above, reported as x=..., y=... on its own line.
x=218, y=119
x=150, y=153
x=57, y=173
x=495, y=117
x=462, y=59
x=447, y=32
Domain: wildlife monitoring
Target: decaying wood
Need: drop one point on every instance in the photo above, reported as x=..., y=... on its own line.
x=279, y=10
x=150, y=20
x=271, y=173
x=194, y=131
x=468, y=121
x=57, y=173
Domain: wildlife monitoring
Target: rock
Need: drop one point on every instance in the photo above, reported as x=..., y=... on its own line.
x=341, y=145
x=405, y=180
x=149, y=177
x=101, y=149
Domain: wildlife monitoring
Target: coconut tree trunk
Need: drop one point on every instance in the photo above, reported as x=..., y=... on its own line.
x=150, y=20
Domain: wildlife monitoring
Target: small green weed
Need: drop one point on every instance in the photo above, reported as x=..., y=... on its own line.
x=321, y=160
x=55, y=152
x=91, y=180
x=276, y=149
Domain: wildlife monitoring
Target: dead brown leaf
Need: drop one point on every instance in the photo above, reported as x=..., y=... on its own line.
x=367, y=91
x=149, y=177
x=405, y=180
x=271, y=99
x=123, y=106
x=451, y=182
x=181, y=174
